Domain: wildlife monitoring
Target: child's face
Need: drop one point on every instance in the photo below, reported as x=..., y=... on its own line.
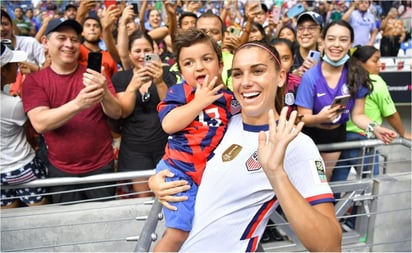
x=197, y=61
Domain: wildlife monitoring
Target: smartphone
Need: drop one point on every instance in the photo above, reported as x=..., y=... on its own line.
x=295, y=10
x=135, y=8
x=315, y=55
x=234, y=31
x=151, y=58
x=94, y=61
x=276, y=14
x=108, y=3
x=341, y=101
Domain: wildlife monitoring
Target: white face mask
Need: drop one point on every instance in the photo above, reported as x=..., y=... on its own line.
x=336, y=63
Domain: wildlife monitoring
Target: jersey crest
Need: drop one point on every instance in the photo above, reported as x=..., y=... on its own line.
x=234, y=107
x=252, y=164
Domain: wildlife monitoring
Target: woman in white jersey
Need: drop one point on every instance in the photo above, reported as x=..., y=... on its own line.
x=261, y=162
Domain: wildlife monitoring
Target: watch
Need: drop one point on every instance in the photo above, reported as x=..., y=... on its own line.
x=369, y=130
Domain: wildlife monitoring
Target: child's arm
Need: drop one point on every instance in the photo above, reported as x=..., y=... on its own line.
x=180, y=117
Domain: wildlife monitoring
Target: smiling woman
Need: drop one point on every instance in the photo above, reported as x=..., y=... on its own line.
x=336, y=75
x=140, y=89
x=261, y=162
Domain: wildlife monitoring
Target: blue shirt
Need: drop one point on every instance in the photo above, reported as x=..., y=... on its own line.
x=315, y=93
x=363, y=25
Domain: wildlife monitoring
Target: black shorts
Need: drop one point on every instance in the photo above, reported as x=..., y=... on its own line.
x=326, y=136
x=137, y=161
x=69, y=193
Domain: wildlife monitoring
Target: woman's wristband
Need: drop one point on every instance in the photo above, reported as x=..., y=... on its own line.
x=370, y=130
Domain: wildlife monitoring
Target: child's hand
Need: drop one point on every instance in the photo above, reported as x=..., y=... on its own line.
x=207, y=92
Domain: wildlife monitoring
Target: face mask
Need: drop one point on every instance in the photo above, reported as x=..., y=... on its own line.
x=336, y=63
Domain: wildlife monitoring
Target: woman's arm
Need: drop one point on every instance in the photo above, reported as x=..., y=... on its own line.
x=326, y=115
x=142, y=12
x=127, y=98
x=362, y=121
x=164, y=191
x=318, y=229
x=123, y=38
x=110, y=16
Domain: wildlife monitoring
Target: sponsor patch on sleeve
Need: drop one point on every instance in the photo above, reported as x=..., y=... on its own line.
x=318, y=171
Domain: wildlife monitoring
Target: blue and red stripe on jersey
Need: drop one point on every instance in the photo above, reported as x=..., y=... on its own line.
x=189, y=149
x=257, y=219
x=253, y=244
x=322, y=198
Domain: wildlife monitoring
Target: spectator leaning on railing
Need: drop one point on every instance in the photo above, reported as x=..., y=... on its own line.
x=18, y=161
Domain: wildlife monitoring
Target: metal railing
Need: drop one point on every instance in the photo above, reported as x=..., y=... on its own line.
x=358, y=192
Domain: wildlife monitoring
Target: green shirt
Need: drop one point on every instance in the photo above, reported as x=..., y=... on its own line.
x=378, y=104
x=227, y=67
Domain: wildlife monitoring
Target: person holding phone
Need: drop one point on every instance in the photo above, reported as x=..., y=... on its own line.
x=308, y=34
x=337, y=74
x=379, y=106
x=140, y=89
x=92, y=33
x=68, y=104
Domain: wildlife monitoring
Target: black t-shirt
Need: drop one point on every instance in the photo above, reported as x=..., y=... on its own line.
x=141, y=130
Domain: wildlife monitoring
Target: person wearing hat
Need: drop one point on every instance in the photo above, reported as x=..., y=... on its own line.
x=35, y=51
x=18, y=161
x=308, y=34
x=70, y=11
x=69, y=103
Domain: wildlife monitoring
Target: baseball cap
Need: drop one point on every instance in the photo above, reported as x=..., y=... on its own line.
x=56, y=23
x=316, y=17
x=8, y=55
x=70, y=6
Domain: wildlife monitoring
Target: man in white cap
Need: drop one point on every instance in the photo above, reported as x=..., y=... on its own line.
x=308, y=34
x=69, y=104
x=18, y=161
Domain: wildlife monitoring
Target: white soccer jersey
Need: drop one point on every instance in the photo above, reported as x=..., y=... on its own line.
x=235, y=197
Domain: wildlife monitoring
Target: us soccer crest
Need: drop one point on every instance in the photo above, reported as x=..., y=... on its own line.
x=234, y=107
x=252, y=164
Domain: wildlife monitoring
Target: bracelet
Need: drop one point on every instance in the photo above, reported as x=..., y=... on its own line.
x=369, y=130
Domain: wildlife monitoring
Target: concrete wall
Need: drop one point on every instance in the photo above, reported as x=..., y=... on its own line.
x=100, y=226
x=392, y=221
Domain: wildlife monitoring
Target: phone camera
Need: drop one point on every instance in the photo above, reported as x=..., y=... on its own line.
x=146, y=97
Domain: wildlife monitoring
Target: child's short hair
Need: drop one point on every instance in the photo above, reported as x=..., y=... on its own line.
x=190, y=37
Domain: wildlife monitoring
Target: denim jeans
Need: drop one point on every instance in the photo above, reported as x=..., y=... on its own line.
x=351, y=157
